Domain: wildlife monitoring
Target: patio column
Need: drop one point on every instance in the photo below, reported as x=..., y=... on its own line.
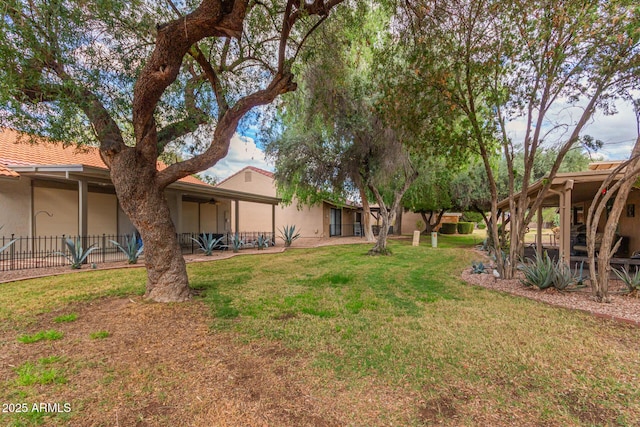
x=539, y=232
x=565, y=221
x=237, y=216
x=273, y=223
x=83, y=210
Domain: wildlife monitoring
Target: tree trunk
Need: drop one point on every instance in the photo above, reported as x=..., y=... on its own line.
x=600, y=281
x=366, y=216
x=380, y=247
x=145, y=204
x=430, y=224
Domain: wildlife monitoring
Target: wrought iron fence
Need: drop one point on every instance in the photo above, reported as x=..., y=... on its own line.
x=50, y=251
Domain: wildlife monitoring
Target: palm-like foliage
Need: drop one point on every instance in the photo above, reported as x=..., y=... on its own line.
x=237, y=243
x=132, y=248
x=77, y=254
x=262, y=242
x=632, y=281
x=539, y=273
x=288, y=234
x=208, y=242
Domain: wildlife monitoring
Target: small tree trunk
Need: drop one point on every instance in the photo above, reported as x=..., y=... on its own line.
x=366, y=216
x=145, y=204
x=600, y=282
x=380, y=247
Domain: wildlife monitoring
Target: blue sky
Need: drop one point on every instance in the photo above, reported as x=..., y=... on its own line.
x=618, y=132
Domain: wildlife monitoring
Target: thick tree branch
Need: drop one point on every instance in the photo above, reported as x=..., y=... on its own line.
x=225, y=129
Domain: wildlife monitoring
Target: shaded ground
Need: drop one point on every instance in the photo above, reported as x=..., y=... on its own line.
x=161, y=366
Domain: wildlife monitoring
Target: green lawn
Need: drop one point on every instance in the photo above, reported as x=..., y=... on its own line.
x=405, y=321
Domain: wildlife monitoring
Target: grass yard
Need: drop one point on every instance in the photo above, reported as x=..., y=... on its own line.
x=318, y=337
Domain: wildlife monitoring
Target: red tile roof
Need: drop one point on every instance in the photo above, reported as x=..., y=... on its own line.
x=19, y=149
x=7, y=173
x=253, y=168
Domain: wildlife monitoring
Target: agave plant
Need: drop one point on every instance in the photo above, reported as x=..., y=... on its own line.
x=237, y=243
x=478, y=268
x=3, y=248
x=539, y=273
x=77, y=254
x=632, y=281
x=563, y=276
x=208, y=242
x=132, y=248
x=263, y=241
x=288, y=234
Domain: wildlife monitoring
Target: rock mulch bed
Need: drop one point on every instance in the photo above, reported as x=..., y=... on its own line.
x=623, y=308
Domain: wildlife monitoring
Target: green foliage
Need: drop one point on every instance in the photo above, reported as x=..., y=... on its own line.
x=478, y=268
x=544, y=273
x=77, y=255
x=539, y=272
x=448, y=228
x=30, y=373
x=482, y=226
x=465, y=227
x=263, y=242
x=132, y=248
x=50, y=335
x=472, y=216
x=631, y=281
x=289, y=235
x=237, y=243
x=208, y=242
x=66, y=318
x=99, y=335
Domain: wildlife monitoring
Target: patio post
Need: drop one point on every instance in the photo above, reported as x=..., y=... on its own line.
x=273, y=224
x=565, y=221
x=539, y=232
x=83, y=210
x=237, y=216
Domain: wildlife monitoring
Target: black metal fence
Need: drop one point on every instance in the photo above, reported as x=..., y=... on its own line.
x=49, y=251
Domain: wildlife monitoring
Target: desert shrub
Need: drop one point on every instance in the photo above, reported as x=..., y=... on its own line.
x=465, y=227
x=471, y=216
x=448, y=228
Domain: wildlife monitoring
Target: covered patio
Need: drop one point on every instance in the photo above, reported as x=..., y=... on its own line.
x=572, y=194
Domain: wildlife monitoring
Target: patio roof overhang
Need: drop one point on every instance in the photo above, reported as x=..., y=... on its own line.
x=101, y=176
x=584, y=186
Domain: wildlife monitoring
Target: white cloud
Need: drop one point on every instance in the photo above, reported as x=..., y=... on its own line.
x=243, y=151
x=618, y=131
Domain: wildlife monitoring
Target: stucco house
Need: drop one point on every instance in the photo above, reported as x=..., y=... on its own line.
x=572, y=194
x=49, y=189
x=322, y=220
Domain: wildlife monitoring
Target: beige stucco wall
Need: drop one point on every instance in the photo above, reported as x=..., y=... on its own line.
x=410, y=220
x=15, y=205
x=208, y=218
x=102, y=215
x=190, y=218
x=62, y=205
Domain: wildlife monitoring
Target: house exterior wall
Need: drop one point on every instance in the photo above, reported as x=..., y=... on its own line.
x=15, y=205
x=102, y=216
x=208, y=218
x=410, y=221
x=190, y=218
x=309, y=220
x=62, y=204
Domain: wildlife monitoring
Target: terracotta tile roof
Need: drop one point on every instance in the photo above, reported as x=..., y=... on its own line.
x=20, y=149
x=7, y=173
x=253, y=168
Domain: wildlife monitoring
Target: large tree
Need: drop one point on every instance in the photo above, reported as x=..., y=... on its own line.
x=363, y=121
x=133, y=76
x=525, y=62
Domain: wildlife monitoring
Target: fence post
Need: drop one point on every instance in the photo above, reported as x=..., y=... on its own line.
x=12, y=253
x=104, y=248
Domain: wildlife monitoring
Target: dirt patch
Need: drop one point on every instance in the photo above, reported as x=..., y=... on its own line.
x=161, y=365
